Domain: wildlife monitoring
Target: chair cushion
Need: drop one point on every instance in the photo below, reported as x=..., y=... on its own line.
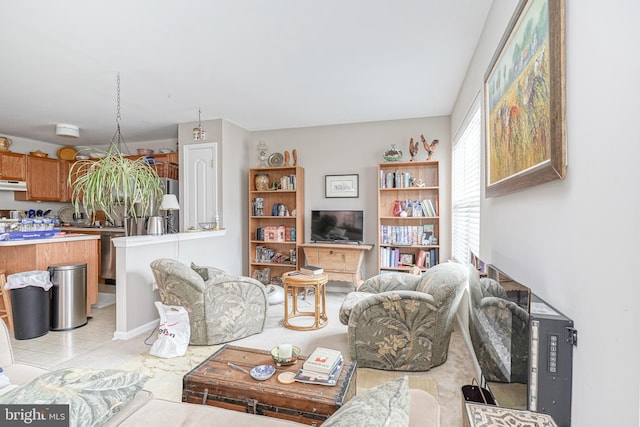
x=383, y=405
x=94, y=395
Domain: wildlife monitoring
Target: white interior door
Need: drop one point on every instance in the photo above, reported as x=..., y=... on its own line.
x=200, y=189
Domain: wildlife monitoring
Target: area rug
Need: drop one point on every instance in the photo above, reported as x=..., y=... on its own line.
x=165, y=375
x=368, y=378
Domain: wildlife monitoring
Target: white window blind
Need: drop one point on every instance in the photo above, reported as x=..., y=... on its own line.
x=466, y=187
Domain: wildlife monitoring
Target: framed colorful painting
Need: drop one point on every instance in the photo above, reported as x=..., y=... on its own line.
x=524, y=97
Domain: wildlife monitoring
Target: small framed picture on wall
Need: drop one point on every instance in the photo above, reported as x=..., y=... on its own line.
x=340, y=186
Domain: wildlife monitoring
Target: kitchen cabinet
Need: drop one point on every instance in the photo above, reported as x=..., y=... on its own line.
x=166, y=164
x=65, y=188
x=43, y=180
x=12, y=166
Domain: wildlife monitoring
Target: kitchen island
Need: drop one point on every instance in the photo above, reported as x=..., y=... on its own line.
x=38, y=254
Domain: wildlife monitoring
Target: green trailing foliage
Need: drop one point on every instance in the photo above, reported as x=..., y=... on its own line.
x=113, y=181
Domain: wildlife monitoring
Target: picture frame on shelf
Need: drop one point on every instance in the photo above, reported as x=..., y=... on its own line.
x=336, y=186
x=524, y=97
x=406, y=259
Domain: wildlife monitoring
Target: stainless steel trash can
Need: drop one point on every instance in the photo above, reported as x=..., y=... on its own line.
x=68, y=296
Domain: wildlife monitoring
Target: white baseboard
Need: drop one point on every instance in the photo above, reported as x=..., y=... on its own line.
x=464, y=331
x=118, y=335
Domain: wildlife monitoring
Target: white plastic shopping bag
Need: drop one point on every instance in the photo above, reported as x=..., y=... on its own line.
x=174, y=331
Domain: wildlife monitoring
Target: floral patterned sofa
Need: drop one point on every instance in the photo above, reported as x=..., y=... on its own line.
x=221, y=307
x=403, y=322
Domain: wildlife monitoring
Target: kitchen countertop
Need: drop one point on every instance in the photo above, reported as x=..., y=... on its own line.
x=93, y=229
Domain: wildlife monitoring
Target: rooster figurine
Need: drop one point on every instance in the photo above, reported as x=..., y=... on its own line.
x=429, y=147
x=413, y=149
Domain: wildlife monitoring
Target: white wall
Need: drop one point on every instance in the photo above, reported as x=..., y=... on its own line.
x=228, y=252
x=574, y=242
x=357, y=149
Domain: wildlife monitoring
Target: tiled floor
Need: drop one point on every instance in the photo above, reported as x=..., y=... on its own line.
x=56, y=347
x=91, y=344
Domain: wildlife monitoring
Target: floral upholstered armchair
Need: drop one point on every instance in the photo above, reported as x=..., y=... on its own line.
x=403, y=322
x=221, y=307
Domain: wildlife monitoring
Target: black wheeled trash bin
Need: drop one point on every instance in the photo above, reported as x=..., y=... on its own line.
x=30, y=303
x=68, y=296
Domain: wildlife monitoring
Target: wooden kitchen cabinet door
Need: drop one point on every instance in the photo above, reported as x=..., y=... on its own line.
x=43, y=180
x=12, y=166
x=65, y=189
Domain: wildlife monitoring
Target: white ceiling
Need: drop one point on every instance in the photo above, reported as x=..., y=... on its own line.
x=261, y=64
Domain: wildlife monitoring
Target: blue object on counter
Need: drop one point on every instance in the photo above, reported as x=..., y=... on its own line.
x=29, y=235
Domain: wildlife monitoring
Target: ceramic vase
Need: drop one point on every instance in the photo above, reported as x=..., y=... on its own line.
x=262, y=182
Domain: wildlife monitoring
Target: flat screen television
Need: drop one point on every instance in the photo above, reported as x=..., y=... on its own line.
x=338, y=226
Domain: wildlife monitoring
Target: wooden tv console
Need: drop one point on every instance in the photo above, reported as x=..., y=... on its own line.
x=342, y=262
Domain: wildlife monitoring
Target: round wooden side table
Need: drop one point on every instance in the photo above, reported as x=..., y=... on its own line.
x=292, y=282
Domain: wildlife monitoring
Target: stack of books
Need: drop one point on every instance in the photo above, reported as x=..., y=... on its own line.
x=323, y=367
x=311, y=270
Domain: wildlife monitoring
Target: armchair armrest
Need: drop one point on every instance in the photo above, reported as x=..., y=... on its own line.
x=390, y=282
x=393, y=330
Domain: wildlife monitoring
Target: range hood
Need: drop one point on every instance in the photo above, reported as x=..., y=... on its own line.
x=8, y=185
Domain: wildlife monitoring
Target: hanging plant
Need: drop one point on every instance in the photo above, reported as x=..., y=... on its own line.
x=114, y=181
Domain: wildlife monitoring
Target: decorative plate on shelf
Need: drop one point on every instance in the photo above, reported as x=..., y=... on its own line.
x=67, y=153
x=65, y=214
x=276, y=159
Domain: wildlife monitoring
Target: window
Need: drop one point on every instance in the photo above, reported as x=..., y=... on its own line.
x=466, y=186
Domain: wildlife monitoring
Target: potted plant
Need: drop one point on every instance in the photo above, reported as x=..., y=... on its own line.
x=113, y=181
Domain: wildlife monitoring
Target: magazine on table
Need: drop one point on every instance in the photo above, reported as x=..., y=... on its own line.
x=322, y=360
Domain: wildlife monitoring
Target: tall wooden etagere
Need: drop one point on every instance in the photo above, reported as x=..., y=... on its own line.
x=276, y=220
x=408, y=215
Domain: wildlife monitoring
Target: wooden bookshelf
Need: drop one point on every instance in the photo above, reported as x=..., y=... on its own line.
x=402, y=237
x=290, y=194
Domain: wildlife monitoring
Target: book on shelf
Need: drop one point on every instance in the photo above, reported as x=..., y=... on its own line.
x=313, y=377
x=322, y=360
x=311, y=270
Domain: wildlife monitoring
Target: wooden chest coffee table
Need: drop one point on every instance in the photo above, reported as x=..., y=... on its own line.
x=215, y=383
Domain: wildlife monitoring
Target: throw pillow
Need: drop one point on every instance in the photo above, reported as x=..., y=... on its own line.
x=202, y=271
x=207, y=272
x=383, y=405
x=93, y=395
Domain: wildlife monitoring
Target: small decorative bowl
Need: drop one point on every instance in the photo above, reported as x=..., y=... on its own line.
x=208, y=226
x=262, y=372
x=280, y=361
x=144, y=151
x=38, y=153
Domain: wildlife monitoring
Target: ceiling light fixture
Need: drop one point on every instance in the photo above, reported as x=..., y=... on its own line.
x=67, y=130
x=199, y=133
